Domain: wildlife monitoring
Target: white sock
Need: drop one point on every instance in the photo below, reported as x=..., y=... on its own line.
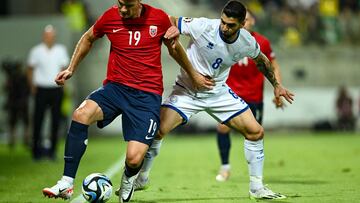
x=226, y=167
x=152, y=152
x=68, y=179
x=254, y=154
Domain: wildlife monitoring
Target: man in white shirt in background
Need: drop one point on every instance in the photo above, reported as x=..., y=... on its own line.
x=45, y=61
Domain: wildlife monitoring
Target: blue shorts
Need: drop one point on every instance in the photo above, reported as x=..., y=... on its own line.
x=258, y=110
x=140, y=110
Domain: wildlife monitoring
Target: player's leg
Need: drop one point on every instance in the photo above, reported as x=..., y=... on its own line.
x=25, y=118
x=134, y=158
x=254, y=153
x=169, y=119
x=176, y=110
x=56, y=99
x=12, y=120
x=141, y=118
x=224, y=145
x=38, y=117
x=87, y=113
x=224, y=141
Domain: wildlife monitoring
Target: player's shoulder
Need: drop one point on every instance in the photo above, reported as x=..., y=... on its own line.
x=261, y=39
x=155, y=11
x=38, y=47
x=110, y=13
x=111, y=10
x=245, y=37
x=201, y=24
x=208, y=22
x=59, y=46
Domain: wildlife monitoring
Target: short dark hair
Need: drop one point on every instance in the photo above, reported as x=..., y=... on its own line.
x=235, y=9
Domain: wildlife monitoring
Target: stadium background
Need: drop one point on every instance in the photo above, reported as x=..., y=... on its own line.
x=316, y=42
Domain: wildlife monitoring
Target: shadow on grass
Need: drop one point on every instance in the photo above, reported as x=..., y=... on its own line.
x=191, y=199
x=214, y=199
x=300, y=182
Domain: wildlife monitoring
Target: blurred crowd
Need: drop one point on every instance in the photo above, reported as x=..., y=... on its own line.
x=303, y=22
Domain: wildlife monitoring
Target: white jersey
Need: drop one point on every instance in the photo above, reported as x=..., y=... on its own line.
x=210, y=54
x=47, y=63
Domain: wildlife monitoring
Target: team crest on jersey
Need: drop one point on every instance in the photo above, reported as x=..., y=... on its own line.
x=187, y=19
x=173, y=99
x=153, y=30
x=210, y=45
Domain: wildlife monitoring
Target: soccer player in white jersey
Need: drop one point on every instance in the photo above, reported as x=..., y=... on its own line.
x=215, y=45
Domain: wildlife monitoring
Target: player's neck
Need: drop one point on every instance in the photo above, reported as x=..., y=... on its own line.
x=231, y=39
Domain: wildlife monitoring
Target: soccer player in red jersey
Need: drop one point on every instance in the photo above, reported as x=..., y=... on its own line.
x=132, y=88
x=246, y=81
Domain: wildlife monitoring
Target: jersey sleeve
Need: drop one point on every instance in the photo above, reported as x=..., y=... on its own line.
x=254, y=49
x=192, y=26
x=165, y=21
x=98, y=29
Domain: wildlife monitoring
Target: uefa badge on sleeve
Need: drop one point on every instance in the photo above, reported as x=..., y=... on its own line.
x=153, y=30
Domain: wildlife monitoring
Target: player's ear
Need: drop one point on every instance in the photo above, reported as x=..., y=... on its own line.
x=243, y=23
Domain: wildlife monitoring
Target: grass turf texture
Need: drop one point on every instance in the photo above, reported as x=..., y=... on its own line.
x=306, y=167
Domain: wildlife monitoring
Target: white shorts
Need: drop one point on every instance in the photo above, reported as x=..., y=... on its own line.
x=222, y=106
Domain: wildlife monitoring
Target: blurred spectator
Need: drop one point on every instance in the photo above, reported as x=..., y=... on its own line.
x=45, y=61
x=349, y=23
x=77, y=15
x=329, y=12
x=295, y=22
x=344, y=107
x=17, y=98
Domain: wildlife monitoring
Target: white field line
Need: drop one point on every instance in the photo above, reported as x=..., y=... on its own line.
x=110, y=172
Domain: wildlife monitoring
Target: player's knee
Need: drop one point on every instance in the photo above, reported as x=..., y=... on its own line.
x=134, y=160
x=256, y=135
x=80, y=115
x=161, y=133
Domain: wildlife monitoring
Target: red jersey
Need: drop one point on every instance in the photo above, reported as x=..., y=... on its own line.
x=245, y=79
x=135, y=52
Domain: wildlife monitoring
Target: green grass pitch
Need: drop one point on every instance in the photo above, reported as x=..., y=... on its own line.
x=304, y=166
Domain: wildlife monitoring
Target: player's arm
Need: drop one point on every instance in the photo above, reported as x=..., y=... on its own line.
x=200, y=82
x=278, y=102
x=265, y=66
x=173, y=32
x=81, y=50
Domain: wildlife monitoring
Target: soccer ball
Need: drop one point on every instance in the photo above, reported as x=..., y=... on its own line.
x=96, y=187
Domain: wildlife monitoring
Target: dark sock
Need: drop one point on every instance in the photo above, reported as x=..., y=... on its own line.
x=75, y=147
x=224, y=144
x=129, y=172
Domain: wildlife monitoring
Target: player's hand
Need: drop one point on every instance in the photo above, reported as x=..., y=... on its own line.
x=280, y=91
x=62, y=76
x=172, y=33
x=279, y=103
x=201, y=82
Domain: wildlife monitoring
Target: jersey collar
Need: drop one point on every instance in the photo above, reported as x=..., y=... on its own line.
x=227, y=41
